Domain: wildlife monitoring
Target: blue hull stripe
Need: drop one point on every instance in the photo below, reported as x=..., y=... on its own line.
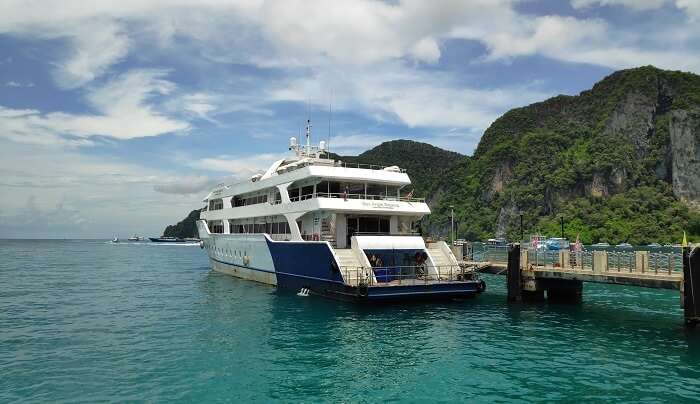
x=274, y=272
x=423, y=292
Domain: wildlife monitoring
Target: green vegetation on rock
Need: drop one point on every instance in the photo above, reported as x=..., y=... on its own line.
x=186, y=228
x=603, y=160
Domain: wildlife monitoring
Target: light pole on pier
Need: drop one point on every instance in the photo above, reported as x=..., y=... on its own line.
x=562, y=227
x=452, y=223
x=522, y=236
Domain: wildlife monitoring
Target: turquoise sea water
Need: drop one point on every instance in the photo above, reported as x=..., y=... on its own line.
x=91, y=321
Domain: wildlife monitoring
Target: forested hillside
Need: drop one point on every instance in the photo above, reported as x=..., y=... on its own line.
x=620, y=162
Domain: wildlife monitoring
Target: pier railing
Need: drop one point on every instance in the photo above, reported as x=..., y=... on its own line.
x=638, y=262
x=646, y=262
x=405, y=275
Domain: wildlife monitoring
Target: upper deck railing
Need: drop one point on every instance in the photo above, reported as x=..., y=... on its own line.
x=368, y=166
x=343, y=164
x=345, y=196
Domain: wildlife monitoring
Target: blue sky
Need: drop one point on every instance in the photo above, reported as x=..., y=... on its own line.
x=116, y=117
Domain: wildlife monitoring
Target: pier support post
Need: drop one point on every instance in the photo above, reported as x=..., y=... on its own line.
x=514, y=279
x=564, y=290
x=564, y=259
x=600, y=261
x=641, y=261
x=691, y=286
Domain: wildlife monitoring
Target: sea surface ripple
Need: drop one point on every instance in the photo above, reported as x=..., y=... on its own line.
x=88, y=321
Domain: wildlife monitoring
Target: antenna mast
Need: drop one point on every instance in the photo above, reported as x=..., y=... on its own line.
x=308, y=137
x=330, y=118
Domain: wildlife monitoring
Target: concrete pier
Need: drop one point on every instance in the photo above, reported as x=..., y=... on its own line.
x=560, y=278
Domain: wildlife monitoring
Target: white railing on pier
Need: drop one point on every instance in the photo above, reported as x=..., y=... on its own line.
x=646, y=262
x=637, y=262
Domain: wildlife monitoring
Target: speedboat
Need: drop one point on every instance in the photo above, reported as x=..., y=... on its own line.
x=654, y=245
x=135, y=238
x=626, y=246
x=164, y=239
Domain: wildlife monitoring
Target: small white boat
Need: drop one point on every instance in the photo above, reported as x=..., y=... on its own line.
x=497, y=242
x=115, y=240
x=626, y=246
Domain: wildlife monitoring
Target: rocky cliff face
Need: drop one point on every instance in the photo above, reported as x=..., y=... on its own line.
x=623, y=156
x=685, y=156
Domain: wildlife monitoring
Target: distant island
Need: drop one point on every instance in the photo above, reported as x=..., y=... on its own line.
x=619, y=162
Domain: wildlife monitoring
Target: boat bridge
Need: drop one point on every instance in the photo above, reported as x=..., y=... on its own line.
x=533, y=275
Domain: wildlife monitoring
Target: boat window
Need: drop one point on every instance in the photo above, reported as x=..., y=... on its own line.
x=271, y=226
x=246, y=200
x=376, y=190
x=293, y=194
x=216, y=204
x=216, y=226
x=307, y=192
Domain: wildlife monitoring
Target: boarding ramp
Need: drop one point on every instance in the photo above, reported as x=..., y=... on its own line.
x=444, y=261
x=353, y=269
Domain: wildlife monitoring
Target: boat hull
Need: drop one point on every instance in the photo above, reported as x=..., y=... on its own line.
x=297, y=265
x=161, y=240
x=252, y=274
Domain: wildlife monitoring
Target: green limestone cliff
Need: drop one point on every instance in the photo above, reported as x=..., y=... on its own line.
x=425, y=163
x=620, y=162
x=187, y=227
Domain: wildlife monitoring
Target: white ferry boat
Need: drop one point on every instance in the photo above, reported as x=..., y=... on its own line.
x=321, y=226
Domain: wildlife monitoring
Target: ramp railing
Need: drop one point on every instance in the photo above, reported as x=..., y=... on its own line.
x=406, y=275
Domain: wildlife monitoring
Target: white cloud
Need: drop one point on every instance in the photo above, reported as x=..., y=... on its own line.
x=353, y=144
x=238, y=166
x=17, y=84
x=399, y=94
x=691, y=8
x=200, y=105
x=633, y=4
x=96, y=46
x=58, y=192
x=192, y=184
x=124, y=113
x=427, y=50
